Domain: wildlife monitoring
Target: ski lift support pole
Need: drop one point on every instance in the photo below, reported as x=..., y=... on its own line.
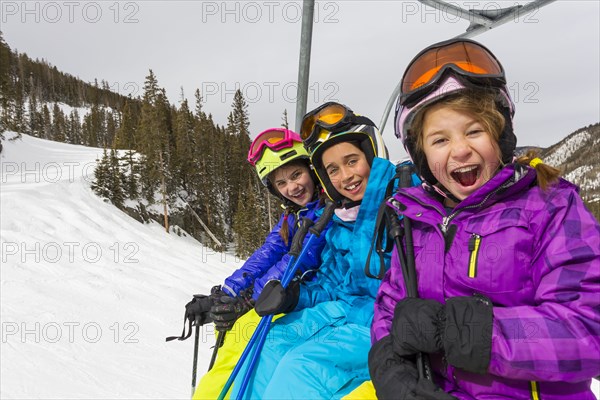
x=481, y=21
x=308, y=10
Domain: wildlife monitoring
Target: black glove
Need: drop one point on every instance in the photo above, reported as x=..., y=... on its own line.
x=198, y=309
x=274, y=299
x=462, y=329
x=226, y=309
x=396, y=377
x=197, y=312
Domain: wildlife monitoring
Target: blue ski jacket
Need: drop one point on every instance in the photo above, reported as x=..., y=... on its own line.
x=271, y=259
x=320, y=350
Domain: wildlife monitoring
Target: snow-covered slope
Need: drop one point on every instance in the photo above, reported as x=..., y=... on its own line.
x=88, y=294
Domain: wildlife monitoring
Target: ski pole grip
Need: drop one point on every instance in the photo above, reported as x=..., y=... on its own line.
x=405, y=171
x=324, y=219
x=298, y=239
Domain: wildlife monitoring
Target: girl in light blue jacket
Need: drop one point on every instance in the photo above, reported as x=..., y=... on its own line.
x=320, y=349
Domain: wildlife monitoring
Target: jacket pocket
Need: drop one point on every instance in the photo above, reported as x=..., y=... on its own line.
x=498, y=251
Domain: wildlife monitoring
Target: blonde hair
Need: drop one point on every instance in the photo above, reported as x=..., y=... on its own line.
x=481, y=104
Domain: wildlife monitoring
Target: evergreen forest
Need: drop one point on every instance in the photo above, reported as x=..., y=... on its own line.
x=165, y=162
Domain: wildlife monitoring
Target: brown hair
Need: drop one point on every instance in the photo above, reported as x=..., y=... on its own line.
x=481, y=104
x=284, y=231
x=546, y=174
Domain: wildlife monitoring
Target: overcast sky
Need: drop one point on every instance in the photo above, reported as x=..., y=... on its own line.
x=360, y=50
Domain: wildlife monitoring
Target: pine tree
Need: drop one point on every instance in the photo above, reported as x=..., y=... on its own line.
x=156, y=142
x=131, y=176
x=148, y=181
x=115, y=179
x=58, y=124
x=35, y=118
x=186, y=150
x=148, y=137
x=100, y=184
x=237, y=142
x=94, y=127
x=6, y=92
x=111, y=128
x=74, y=128
x=46, y=127
x=19, y=120
x=284, y=119
x=125, y=135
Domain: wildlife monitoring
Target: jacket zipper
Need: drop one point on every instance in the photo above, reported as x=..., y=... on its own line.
x=535, y=390
x=446, y=220
x=474, y=245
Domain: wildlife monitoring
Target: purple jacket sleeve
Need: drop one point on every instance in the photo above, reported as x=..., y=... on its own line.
x=558, y=337
x=260, y=261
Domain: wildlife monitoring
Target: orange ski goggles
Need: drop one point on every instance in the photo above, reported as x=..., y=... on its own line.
x=331, y=117
x=466, y=58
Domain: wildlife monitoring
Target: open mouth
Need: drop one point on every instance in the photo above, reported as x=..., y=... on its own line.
x=300, y=194
x=466, y=176
x=354, y=187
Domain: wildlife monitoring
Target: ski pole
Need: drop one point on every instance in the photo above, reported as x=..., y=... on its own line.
x=263, y=322
x=407, y=261
x=195, y=362
x=218, y=344
x=262, y=335
x=287, y=278
x=289, y=271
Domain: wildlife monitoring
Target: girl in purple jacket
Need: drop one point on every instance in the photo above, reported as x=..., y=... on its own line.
x=507, y=256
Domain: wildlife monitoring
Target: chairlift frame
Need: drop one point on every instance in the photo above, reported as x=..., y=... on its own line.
x=481, y=21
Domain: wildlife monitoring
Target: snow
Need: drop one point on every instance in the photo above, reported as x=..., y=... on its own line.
x=88, y=294
x=578, y=175
x=67, y=110
x=567, y=148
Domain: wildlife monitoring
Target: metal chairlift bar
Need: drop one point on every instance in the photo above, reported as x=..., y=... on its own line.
x=469, y=15
x=507, y=17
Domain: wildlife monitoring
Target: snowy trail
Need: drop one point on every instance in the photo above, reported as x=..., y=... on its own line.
x=88, y=294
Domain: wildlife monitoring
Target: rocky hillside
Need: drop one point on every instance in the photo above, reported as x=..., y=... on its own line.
x=578, y=157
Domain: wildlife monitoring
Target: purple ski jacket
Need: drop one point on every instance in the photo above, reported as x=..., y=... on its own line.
x=536, y=255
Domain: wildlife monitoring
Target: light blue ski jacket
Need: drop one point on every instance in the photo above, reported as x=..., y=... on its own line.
x=320, y=350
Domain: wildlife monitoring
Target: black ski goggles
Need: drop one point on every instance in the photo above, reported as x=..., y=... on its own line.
x=466, y=58
x=331, y=117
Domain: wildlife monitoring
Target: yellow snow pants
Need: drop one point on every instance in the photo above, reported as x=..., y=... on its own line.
x=236, y=339
x=210, y=385
x=366, y=391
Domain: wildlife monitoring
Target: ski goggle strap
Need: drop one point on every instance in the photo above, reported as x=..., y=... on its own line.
x=275, y=139
x=331, y=117
x=465, y=57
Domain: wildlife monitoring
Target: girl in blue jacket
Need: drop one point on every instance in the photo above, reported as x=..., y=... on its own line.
x=282, y=165
x=320, y=349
